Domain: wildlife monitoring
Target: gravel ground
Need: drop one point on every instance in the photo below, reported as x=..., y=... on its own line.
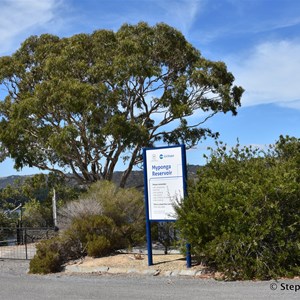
x=129, y=261
x=14, y=266
x=161, y=263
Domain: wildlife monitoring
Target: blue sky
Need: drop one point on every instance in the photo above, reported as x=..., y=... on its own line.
x=259, y=40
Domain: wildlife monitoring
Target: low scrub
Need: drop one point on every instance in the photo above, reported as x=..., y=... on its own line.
x=242, y=216
x=98, y=235
x=102, y=221
x=48, y=257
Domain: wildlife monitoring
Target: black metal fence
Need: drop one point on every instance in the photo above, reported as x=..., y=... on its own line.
x=20, y=242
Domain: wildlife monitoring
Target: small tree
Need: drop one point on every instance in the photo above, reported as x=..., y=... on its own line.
x=34, y=193
x=36, y=215
x=87, y=101
x=243, y=213
x=5, y=220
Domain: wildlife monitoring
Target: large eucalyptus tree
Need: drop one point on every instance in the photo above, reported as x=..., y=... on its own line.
x=85, y=102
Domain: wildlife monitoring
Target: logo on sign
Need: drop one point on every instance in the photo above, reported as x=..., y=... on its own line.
x=162, y=156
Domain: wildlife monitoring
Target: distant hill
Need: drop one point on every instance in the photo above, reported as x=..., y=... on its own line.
x=4, y=181
x=136, y=178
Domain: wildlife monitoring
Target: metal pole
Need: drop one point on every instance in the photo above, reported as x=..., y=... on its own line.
x=149, y=243
x=25, y=241
x=188, y=245
x=148, y=222
x=188, y=256
x=54, y=208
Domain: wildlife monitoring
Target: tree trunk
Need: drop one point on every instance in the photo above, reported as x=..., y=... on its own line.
x=127, y=172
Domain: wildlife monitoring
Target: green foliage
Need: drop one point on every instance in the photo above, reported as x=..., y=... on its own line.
x=101, y=221
x=51, y=254
x=93, y=231
x=36, y=214
x=7, y=226
x=93, y=235
x=11, y=196
x=8, y=219
x=124, y=206
x=35, y=194
x=99, y=246
x=83, y=102
x=4, y=220
x=243, y=213
x=47, y=258
x=76, y=209
x=165, y=233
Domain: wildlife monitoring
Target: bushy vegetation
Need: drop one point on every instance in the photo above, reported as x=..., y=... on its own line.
x=48, y=258
x=78, y=209
x=5, y=221
x=124, y=206
x=5, y=224
x=35, y=194
x=116, y=222
x=51, y=254
x=242, y=216
x=98, y=235
x=166, y=234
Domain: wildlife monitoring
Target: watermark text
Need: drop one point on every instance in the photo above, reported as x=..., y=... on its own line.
x=285, y=287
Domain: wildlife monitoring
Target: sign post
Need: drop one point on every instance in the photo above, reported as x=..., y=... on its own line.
x=165, y=185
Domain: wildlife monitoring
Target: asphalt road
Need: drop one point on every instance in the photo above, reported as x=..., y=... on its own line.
x=16, y=284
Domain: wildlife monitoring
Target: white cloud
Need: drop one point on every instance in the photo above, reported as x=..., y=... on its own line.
x=181, y=14
x=270, y=74
x=19, y=18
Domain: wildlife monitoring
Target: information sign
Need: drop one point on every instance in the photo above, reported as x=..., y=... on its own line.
x=165, y=180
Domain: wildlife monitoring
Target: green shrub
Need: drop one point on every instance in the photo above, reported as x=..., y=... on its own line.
x=94, y=236
x=36, y=214
x=165, y=233
x=125, y=207
x=75, y=209
x=4, y=220
x=95, y=230
x=105, y=219
x=98, y=246
x=48, y=257
x=242, y=215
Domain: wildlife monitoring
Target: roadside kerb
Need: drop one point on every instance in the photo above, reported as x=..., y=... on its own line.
x=112, y=270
